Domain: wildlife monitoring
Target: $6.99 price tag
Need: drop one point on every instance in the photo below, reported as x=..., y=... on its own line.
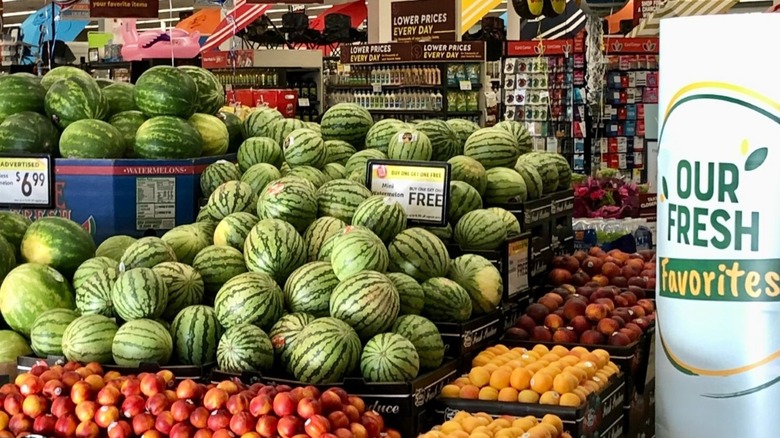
x=25, y=181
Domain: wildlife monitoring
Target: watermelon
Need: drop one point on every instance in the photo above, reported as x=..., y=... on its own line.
x=357, y=250
x=7, y=257
x=213, y=132
x=211, y=94
x=196, y=333
x=235, y=129
x=359, y=176
x=410, y=293
x=509, y=220
x=19, y=94
x=28, y=132
x=233, y=229
x=419, y=254
x=258, y=122
x=425, y=337
x=120, y=97
x=184, y=284
x=166, y=91
x=325, y=351
x=142, y=341
x=443, y=139
x=255, y=150
x=12, y=227
x=91, y=138
x=74, y=99
x=346, y=122
x=564, y=171
x=279, y=130
x=308, y=173
x=492, y=147
x=309, y=287
x=505, y=186
x=167, y=137
x=59, y=73
x=304, y=147
x=147, y=252
x=102, y=82
x=93, y=295
x=245, y=347
x=548, y=170
x=12, y=345
x=463, y=199
x=47, y=330
x=217, y=265
x=216, y=174
x=367, y=301
x=389, y=357
x=446, y=300
x=186, y=241
x=480, y=230
x=91, y=266
x=470, y=171
x=288, y=200
x=284, y=335
x=531, y=177
x=384, y=216
x=359, y=160
x=480, y=279
x=462, y=129
x=57, y=242
x=378, y=137
x=326, y=249
x=251, y=297
x=274, y=247
x=318, y=232
x=409, y=145
x=340, y=199
x=338, y=151
x=231, y=197
x=89, y=339
x=139, y=293
x=334, y=171
x=520, y=133
x=127, y=123
x=113, y=247
x=444, y=233
x=259, y=176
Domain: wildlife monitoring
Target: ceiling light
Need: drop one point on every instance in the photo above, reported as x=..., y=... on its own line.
x=12, y=25
x=176, y=10
x=156, y=21
x=18, y=14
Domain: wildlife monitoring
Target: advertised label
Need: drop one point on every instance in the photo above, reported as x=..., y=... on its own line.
x=124, y=8
x=423, y=20
x=517, y=260
x=155, y=203
x=422, y=188
x=464, y=51
x=26, y=181
x=718, y=235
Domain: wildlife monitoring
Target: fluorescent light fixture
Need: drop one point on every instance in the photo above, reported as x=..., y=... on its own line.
x=91, y=26
x=163, y=11
x=499, y=10
x=156, y=21
x=18, y=14
x=12, y=25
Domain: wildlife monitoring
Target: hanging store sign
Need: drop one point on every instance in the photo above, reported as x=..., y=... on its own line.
x=632, y=45
x=124, y=8
x=424, y=20
x=471, y=51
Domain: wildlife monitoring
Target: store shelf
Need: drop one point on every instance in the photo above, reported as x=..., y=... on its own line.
x=384, y=87
x=422, y=113
x=464, y=113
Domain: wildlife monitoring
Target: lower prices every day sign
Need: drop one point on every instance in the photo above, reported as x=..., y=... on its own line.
x=421, y=188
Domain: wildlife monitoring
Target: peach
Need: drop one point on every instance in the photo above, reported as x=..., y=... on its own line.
x=95, y=382
x=130, y=386
x=316, y=426
x=260, y=405
x=630, y=297
x=223, y=433
x=84, y=372
x=620, y=321
x=188, y=389
x=132, y=406
x=553, y=322
x=378, y=418
x=203, y=433
x=526, y=323
x=266, y=426
x=168, y=378
x=352, y=413
x=607, y=302
x=200, y=417
x=109, y=395
x=237, y=403
x=643, y=323
x=635, y=329
x=51, y=375
x=215, y=399
x=596, y=312
x=342, y=432
x=31, y=385
x=229, y=386
x=618, y=339
x=152, y=384
x=308, y=407
x=338, y=419
x=372, y=426
x=358, y=430
x=630, y=334
x=330, y=401
x=119, y=429
x=579, y=279
x=580, y=324
x=219, y=420
x=284, y=404
x=65, y=426
x=80, y=391
x=142, y=423
x=639, y=311
x=181, y=430
x=559, y=276
x=620, y=301
x=312, y=391
x=151, y=433
x=34, y=406
x=592, y=337
x=541, y=334
x=242, y=422
x=289, y=426
x=565, y=335
x=39, y=368
x=71, y=366
x=70, y=378
x=574, y=307
x=164, y=422
x=114, y=375
x=517, y=333
x=13, y=404
x=157, y=403
x=53, y=388
x=20, y=423
x=62, y=406
x=607, y=326
x=44, y=425
x=106, y=415
x=537, y=312
x=610, y=269
x=647, y=305
x=86, y=410
x=87, y=429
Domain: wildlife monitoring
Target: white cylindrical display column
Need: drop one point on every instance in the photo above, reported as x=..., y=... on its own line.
x=718, y=348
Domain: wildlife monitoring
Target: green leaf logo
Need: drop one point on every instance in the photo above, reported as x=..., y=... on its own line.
x=756, y=159
x=664, y=187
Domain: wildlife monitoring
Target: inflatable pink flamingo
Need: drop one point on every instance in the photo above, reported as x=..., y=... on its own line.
x=157, y=44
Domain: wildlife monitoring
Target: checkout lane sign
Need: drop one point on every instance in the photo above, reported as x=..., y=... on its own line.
x=422, y=188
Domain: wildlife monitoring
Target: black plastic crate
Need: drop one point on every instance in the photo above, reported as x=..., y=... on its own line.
x=475, y=334
x=180, y=372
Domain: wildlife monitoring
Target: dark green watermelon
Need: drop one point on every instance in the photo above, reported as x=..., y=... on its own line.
x=120, y=97
x=128, y=122
x=166, y=91
x=28, y=132
x=75, y=98
x=20, y=93
x=211, y=94
x=235, y=129
x=167, y=137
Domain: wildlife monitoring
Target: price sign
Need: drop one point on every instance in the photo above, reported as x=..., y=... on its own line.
x=26, y=181
x=516, y=262
x=422, y=188
x=303, y=102
x=465, y=85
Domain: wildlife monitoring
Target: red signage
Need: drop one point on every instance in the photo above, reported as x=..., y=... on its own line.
x=614, y=46
x=543, y=48
x=643, y=8
x=124, y=8
x=423, y=20
x=218, y=59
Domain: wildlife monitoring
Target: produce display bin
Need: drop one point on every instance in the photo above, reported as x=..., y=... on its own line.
x=513, y=311
x=180, y=372
x=639, y=414
x=562, y=203
x=541, y=262
x=475, y=334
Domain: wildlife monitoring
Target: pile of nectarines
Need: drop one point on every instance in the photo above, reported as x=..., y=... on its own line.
x=84, y=402
x=556, y=376
x=598, y=268
x=482, y=425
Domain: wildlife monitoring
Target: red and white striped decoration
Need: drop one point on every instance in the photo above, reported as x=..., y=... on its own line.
x=243, y=14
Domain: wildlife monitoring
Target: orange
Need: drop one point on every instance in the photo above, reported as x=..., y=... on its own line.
x=550, y=428
x=590, y=357
x=450, y=391
x=502, y=423
x=520, y=379
x=508, y=394
x=570, y=360
x=550, y=398
x=570, y=399
x=501, y=348
x=460, y=416
x=480, y=435
x=555, y=421
x=514, y=364
x=479, y=376
x=534, y=367
x=541, y=382
x=565, y=382
x=480, y=361
x=589, y=367
x=528, y=396
x=552, y=370
x=488, y=393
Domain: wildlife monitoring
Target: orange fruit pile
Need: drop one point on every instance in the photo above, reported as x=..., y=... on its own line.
x=465, y=425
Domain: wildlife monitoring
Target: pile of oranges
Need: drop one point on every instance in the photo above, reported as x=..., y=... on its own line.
x=556, y=376
x=465, y=425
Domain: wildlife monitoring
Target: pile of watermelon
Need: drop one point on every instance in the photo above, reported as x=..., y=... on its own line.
x=170, y=113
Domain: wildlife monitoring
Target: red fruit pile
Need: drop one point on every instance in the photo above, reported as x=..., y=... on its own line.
x=588, y=315
x=599, y=268
x=84, y=402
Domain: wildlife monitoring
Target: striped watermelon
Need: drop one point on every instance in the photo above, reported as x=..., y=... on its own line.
x=359, y=160
x=57, y=242
x=520, y=133
x=410, y=293
x=89, y=339
x=309, y=173
x=28, y=291
x=463, y=199
x=410, y=145
x=314, y=126
x=91, y=266
x=334, y=171
x=89, y=138
x=196, y=333
x=273, y=247
x=216, y=174
x=232, y=197
x=217, y=265
x=346, y=122
x=245, y=347
x=142, y=341
x=7, y=258
x=419, y=254
x=480, y=279
x=12, y=345
x=252, y=298
x=533, y=180
x=232, y=230
x=186, y=241
x=463, y=129
x=480, y=230
x=166, y=91
x=284, y=335
x=326, y=351
x=258, y=121
x=211, y=94
x=470, y=171
x=147, y=252
x=235, y=127
x=564, y=171
x=492, y=147
x=359, y=176
x=113, y=247
x=127, y=123
x=378, y=137
x=289, y=200
x=444, y=233
x=318, y=232
x=304, y=147
x=184, y=284
x=12, y=227
x=47, y=330
x=139, y=293
x=505, y=186
x=367, y=301
x=510, y=221
x=120, y=97
x=93, y=295
x=340, y=199
x=544, y=164
x=280, y=129
x=259, y=176
x=444, y=140
x=309, y=287
x=19, y=94
x=425, y=337
x=389, y=357
x=385, y=217
x=339, y=151
x=206, y=220
x=256, y=150
x=358, y=250
x=326, y=249
x=446, y=300
x=28, y=132
x=167, y=137
x=59, y=73
x=73, y=99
